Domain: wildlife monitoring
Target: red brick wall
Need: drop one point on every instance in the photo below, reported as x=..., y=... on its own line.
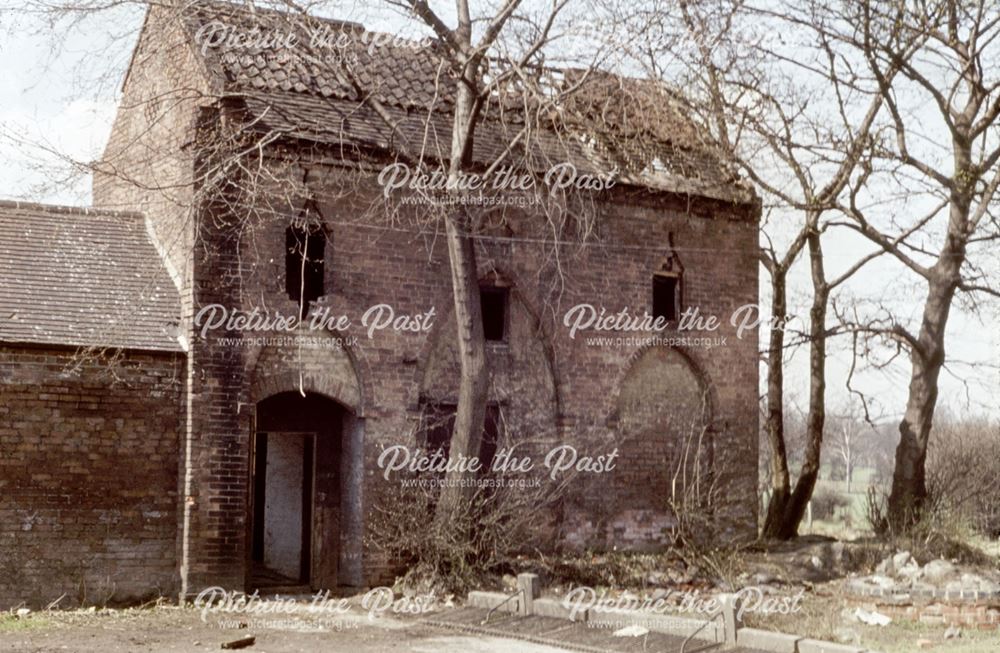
x=148, y=163
x=88, y=478
x=553, y=389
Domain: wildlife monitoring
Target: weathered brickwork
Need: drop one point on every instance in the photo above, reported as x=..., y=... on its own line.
x=552, y=389
x=148, y=162
x=88, y=477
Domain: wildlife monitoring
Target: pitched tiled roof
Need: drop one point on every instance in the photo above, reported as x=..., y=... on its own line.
x=397, y=72
x=83, y=277
x=318, y=93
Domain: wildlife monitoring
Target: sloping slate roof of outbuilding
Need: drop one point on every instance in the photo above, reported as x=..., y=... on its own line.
x=83, y=277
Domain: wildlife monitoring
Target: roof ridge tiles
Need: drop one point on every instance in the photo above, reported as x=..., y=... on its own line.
x=21, y=205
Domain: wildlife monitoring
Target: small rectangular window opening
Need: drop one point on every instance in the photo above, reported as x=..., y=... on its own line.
x=666, y=297
x=493, y=302
x=305, y=248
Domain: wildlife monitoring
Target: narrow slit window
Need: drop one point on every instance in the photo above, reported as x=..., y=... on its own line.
x=493, y=302
x=305, y=249
x=666, y=297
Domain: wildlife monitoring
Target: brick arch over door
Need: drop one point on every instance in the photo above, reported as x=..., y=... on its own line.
x=326, y=370
x=331, y=372
x=663, y=409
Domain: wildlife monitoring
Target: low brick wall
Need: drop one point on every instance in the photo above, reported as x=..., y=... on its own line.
x=923, y=595
x=973, y=608
x=88, y=478
x=982, y=616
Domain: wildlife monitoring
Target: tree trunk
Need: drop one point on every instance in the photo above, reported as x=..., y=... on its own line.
x=780, y=482
x=849, y=471
x=474, y=380
x=473, y=385
x=788, y=507
x=909, y=486
x=909, y=482
x=799, y=500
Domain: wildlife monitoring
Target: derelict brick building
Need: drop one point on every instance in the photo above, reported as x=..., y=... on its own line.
x=197, y=458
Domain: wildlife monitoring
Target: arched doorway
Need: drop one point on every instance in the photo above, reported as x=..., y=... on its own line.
x=303, y=502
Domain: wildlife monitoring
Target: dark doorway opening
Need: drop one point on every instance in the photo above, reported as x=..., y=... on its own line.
x=294, y=502
x=282, y=518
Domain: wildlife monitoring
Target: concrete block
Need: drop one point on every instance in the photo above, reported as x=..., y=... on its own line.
x=659, y=623
x=489, y=600
x=555, y=609
x=730, y=619
x=767, y=640
x=531, y=584
x=817, y=646
x=531, y=588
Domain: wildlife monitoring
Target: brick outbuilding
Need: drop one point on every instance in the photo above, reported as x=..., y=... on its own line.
x=176, y=451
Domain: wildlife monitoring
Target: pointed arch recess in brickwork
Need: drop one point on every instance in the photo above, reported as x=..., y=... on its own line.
x=663, y=409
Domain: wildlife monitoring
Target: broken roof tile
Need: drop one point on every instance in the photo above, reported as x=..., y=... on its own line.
x=634, y=129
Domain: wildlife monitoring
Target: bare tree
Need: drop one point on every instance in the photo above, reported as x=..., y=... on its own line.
x=874, y=110
x=933, y=63
x=480, y=72
x=849, y=435
x=805, y=157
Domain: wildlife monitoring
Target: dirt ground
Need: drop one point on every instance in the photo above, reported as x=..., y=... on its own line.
x=817, y=566
x=822, y=564
x=170, y=629
x=175, y=630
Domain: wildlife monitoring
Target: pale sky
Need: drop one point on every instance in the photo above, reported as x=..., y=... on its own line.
x=65, y=100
